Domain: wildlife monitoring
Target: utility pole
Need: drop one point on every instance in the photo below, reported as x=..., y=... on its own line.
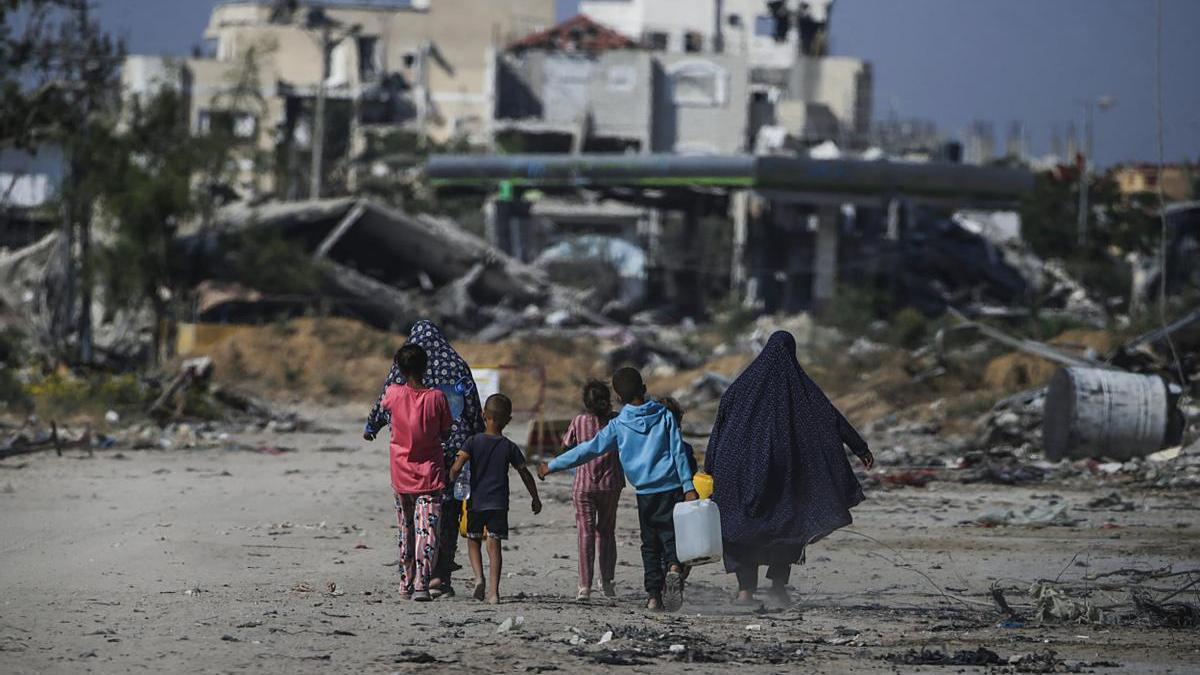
x=1085, y=166
x=318, y=20
x=318, y=139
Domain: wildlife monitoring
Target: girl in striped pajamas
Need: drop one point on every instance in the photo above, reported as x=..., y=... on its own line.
x=596, y=493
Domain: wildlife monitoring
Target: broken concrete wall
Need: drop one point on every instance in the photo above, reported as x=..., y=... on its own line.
x=33, y=288
x=700, y=104
x=842, y=85
x=609, y=93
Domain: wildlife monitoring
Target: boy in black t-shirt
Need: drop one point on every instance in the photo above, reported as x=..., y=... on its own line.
x=490, y=455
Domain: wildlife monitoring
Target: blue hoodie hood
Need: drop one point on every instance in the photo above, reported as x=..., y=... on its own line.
x=649, y=445
x=641, y=419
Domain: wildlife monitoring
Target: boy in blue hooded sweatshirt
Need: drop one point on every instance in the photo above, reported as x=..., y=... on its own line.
x=650, y=447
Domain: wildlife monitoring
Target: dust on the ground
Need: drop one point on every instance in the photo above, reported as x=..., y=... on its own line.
x=229, y=560
x=278, y=553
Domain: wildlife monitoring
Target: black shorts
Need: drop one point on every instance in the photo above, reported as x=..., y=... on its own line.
x=495, y=522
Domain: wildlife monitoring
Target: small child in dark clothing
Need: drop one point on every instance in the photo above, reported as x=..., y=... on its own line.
x=676, y=409
x=490, y=455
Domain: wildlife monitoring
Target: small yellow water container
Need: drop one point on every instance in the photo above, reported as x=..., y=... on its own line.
x=704, y=485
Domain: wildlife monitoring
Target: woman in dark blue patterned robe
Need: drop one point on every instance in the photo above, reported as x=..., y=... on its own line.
x=780, y=474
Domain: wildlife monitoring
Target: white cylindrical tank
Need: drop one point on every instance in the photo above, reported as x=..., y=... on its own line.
x=697, y=532
x=1104, y=413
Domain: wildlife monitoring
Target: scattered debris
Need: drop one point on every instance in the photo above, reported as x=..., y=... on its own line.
x=614, y=658
x=704, y=389
x=1048, y=662
x=34, y=440
x=912, y=478
x=414, y=656
x=1055, y=606
x=1111, y=502
x=511, y=624
x=1033, y=347
x=1163, y=613
x=932, y=657
x=1032, y=516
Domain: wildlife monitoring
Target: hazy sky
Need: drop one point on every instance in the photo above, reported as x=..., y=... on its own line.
x=950, y=61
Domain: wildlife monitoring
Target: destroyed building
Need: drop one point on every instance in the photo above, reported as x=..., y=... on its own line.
x=794, y=228
x=374, y=264
x=1182, y=247
x=422, y=66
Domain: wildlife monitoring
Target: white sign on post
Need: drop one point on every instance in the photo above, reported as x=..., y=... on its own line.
x=487, y=382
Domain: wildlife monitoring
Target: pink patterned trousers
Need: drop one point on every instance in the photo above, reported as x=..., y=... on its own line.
x=418, y=516
x=596, y=522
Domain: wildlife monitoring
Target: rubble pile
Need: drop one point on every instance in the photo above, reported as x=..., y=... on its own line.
x=36, y=436
x=33, y=291
x=1128, y=596
x=382, y=266
x=186, y=410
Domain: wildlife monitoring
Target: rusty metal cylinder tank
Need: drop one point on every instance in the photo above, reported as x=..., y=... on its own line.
x=1104, y=413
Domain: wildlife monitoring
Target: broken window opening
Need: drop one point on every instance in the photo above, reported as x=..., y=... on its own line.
x=388, y=109
x=368, y=58
x=241, y=125
x=657, y=41
x=697, y=83
x=764, y=26
x=693, y=42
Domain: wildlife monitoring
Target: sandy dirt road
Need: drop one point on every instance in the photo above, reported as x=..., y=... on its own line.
x=233, y=560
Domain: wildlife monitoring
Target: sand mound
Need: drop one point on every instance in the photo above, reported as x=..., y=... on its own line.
x=1017, y=370
x=340, y=360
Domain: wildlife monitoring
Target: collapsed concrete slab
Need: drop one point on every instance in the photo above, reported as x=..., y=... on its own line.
x=389, y=268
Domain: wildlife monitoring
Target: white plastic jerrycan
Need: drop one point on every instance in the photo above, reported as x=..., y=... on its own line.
x=697, y=532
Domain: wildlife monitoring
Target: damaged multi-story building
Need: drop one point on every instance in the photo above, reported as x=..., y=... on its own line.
x=424, y=66
x=668, y=78
x=694, y=77
x=702, y=151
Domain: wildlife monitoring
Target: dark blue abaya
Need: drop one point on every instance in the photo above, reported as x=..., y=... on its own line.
x=780, y=473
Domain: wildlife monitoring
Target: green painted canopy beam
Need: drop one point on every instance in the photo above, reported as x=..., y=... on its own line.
x=848, y=177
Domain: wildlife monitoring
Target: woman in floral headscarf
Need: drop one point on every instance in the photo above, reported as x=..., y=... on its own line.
x=448, y=372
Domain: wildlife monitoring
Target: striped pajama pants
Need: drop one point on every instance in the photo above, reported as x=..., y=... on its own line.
x=596, y=521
